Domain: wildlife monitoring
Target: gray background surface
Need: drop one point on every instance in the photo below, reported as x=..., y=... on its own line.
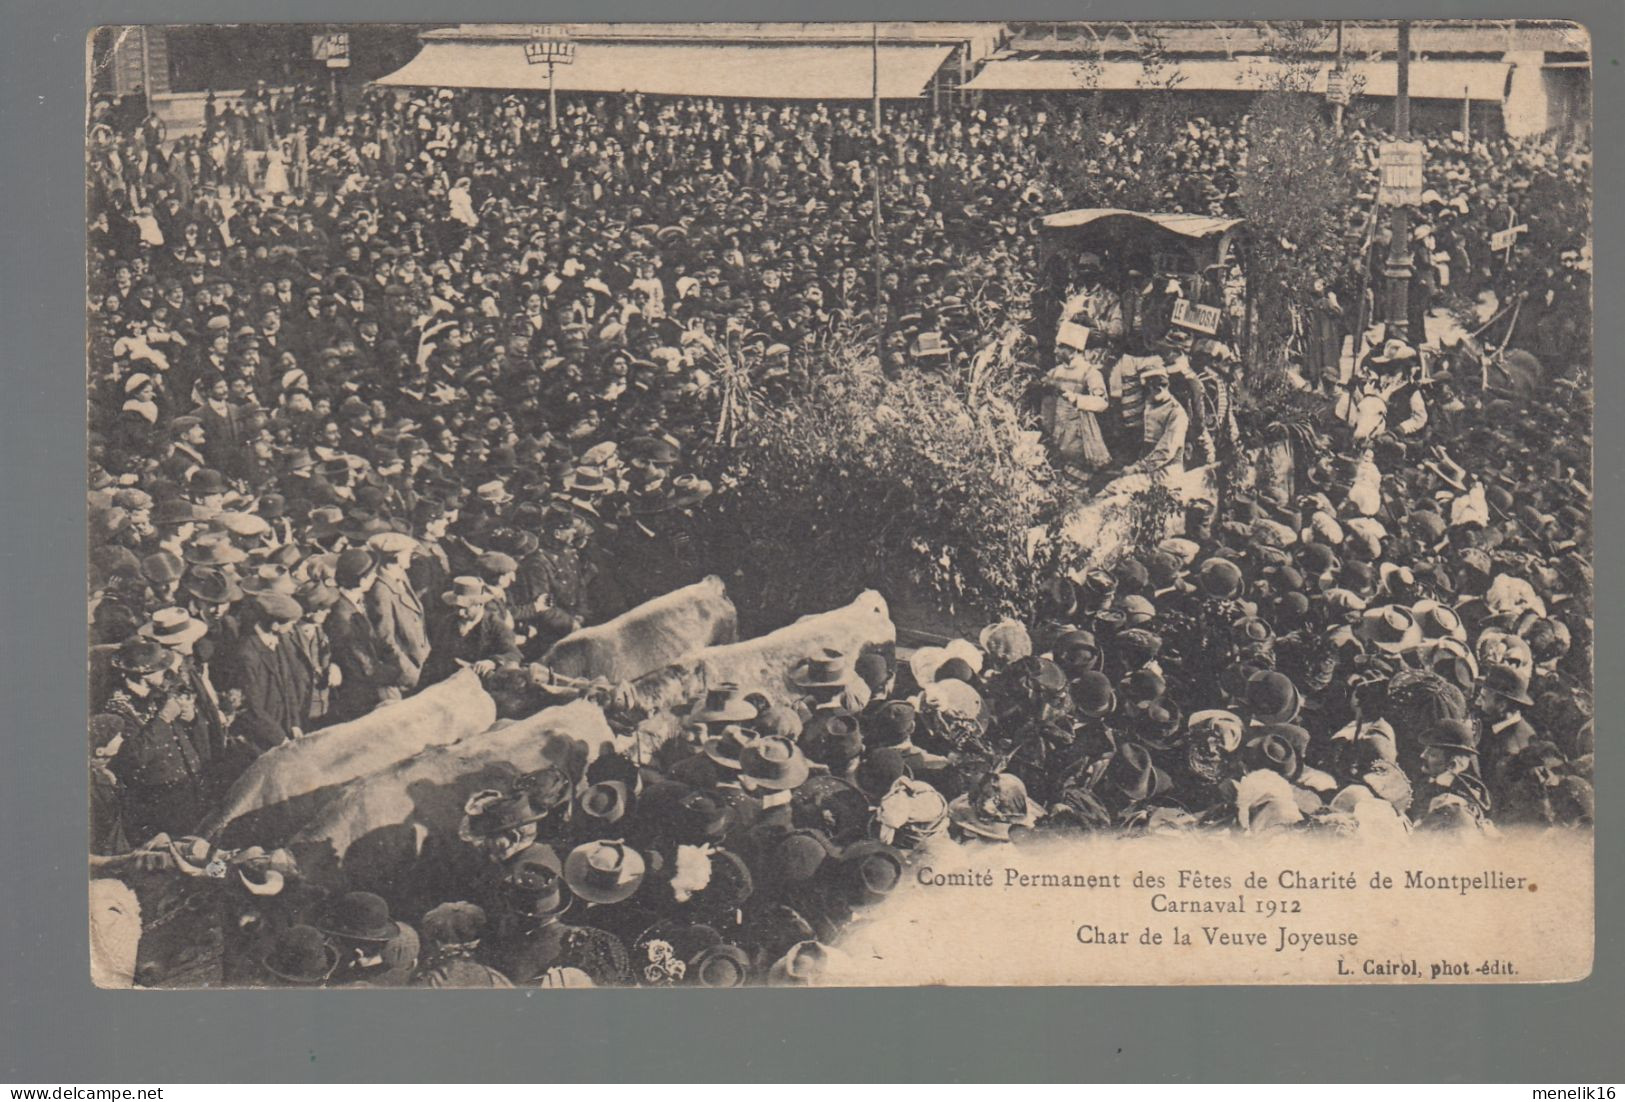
x=56, y=1029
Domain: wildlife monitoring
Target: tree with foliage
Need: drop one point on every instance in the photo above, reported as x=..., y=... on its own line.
x=1115, y=149
x=1297, y=187
x=926, y=484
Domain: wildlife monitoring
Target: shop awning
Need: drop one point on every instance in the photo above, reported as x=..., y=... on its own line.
x=1111, y=229
x=1478, y=80
x=1185, y=225
x=841, y=71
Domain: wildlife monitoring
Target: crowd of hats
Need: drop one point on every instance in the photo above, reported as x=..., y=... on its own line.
x=1247, y=675
x=1259, y=673
x=639, y=237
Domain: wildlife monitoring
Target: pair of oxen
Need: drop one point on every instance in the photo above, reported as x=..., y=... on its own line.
x=374, y=791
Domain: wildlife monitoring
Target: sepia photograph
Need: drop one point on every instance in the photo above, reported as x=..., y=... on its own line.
x=839, y=504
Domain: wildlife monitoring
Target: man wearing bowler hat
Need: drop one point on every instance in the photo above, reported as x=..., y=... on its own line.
x=373, y=949
x=1450, y=764
x=1501, y=700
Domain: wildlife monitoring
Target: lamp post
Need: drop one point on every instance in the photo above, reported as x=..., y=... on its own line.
x=552, y=98
x=550, y=45
x=874, y=72
x=146, y=69
x=1398, y=267
x=1337, y=108
x=875, y=166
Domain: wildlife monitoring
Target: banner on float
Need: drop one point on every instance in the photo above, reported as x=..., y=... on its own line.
x=1072, y=335
x=1505, y=239
x=1193, y=315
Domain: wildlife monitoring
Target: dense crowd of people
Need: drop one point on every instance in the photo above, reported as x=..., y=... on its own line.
x=378, y=396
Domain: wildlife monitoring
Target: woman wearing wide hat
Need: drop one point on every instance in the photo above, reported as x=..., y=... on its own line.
x=503, y=824
x=530, y=934
x=996, y=809
x=604, y=872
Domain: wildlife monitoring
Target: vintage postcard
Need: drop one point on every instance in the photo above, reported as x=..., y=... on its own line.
x=842, y=504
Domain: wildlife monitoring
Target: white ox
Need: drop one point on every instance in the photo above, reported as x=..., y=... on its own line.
x=375, y=830
x=287, y=783
x=762, y=665
x=652, y=635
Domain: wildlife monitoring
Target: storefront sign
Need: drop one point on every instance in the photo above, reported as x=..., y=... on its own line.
x=1337, y=87
x=331, y=47
x=549, y=45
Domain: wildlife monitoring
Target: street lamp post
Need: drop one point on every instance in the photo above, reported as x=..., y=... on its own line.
x=550, y=45
x=1398, y=266
x=552, y=96
x=874, y=60
x=1337, y=108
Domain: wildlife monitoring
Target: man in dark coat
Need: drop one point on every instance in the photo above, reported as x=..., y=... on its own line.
x=186, y=636
x=157, y=764
x=474, y=636
x=367, y=676
x=226, y=429
x=1566, y=328
x=430, y=570
x=395, y=610
x=269, y=671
